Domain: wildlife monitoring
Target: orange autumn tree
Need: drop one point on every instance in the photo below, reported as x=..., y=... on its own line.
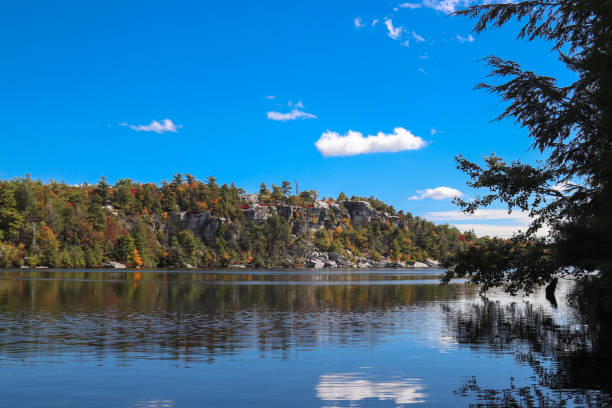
x=136, y=259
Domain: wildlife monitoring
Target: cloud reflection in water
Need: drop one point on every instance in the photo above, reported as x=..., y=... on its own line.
x=355, y=387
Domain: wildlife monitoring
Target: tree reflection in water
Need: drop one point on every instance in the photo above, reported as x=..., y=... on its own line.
x=571, y=361
x=198, y=316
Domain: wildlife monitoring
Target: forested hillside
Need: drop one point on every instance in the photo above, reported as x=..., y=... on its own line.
x=190, y=223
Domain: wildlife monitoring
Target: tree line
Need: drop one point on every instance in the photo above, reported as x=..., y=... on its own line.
x=75, y=226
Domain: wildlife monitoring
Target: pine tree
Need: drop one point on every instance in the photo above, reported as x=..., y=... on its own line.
x=570, y=192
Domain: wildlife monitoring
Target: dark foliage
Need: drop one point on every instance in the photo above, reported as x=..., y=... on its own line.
x=569, y=193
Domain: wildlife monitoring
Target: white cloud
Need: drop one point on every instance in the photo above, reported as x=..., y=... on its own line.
x=374, y=22
x=411, y=6
x=492, y=230
x=295, y=113
x=406, y=43
x=446, y=6
x=166, y=125
x=424, y=56
x=469, y=38
x=492, y=222
x=270, y=97
x=434, y=131
x=438, y=193
x=358, y=22
x=353, y=143
x=422, y=70
x=394, y=32
x=479, y=215
x=564, y=186
x=417, y=37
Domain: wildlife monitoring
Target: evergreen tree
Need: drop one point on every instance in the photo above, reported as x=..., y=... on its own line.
x=570, y=192
x=10, y=217
x=125, y=248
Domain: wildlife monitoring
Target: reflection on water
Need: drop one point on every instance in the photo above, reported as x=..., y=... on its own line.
x=354, y=387
x=262, y=338
x=153, y=404
x=183, y=315
x=571, y=359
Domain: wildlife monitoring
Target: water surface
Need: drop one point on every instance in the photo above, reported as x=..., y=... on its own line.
x=76, y=338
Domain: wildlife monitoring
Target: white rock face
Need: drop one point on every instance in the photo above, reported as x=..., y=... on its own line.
x=432, y=263
x=315, y=263
x=419, y=265
x=321, y=204
x=114, y=265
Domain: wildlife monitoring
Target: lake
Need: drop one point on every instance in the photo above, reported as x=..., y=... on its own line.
x=384, y=338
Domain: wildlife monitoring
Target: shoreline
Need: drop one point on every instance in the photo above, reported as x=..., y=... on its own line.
x=102, y=269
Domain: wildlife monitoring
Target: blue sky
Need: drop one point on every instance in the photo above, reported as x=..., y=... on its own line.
x=246, y=89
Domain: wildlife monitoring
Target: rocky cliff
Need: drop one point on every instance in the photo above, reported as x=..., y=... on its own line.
x=302, y=221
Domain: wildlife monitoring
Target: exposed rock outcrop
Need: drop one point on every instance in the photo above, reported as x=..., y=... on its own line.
x=419, y=265
x=201, y=224
x=432, y=263
x=361, y=212
x=303, y=220
x=319, y=260
x=258, y=212
x=114, y=265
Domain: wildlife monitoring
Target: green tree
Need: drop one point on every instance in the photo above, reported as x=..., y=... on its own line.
x=264, y=192
x=286, y=188
x=570, y=191
x=190, y=246
x=277, y=193
x=48, y=246
x=10, y=217
x=125, y=248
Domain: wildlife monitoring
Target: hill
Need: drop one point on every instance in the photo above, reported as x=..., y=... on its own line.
x=190, y=223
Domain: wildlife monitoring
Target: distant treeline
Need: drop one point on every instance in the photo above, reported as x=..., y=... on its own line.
x=143, y=224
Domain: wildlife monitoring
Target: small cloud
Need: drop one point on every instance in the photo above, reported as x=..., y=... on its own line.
x=353, y=143
x=434, y=131
x=270, y=97
x=422, y=70
x=411, y=6
x=479, y=215
x=492, y=222
x=374, y=22
x=394, y=32
x=417, y=37
x=406, y=43
x=295, y=113
x=358, y=22
x=446, y=6
x=565, y=186
x=469, y=38
x=492, y=230
x=438, y=193
x=166, y=125
x=424, y=56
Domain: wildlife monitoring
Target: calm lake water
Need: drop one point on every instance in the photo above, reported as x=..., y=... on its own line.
x=84, y=338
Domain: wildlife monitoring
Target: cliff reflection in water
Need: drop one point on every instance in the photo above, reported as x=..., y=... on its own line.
x=571, y=359
x=200, y=315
